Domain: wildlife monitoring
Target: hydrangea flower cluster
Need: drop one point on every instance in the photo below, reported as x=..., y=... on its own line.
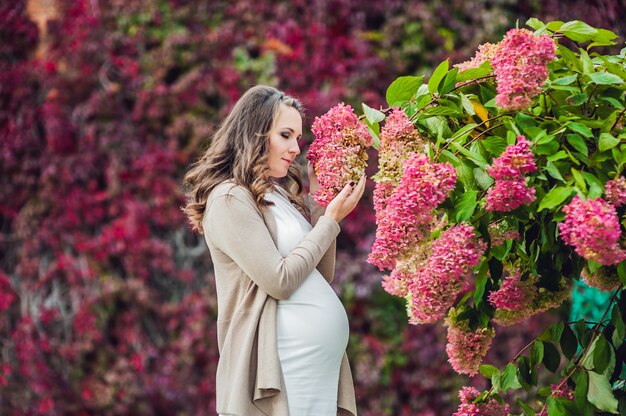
x=485, y=52
x=544, y=300
x=513, y=294
x=615, y=191
x=500, y=232
x=604, y=278
x=593, y=229
x=492, y=407
x=520, y=65
x=466, y=348
x=338, y=153
x=408, y=213
x=398, y=140
x=443, y=274
x=510, y=190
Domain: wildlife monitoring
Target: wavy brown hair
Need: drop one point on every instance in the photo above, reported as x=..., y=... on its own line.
x=239, y=152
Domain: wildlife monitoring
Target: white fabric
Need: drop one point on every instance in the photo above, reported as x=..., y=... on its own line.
x=312, y=327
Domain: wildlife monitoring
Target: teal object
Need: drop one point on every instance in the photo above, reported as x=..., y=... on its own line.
x=588, y=303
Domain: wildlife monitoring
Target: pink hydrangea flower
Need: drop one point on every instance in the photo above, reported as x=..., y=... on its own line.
x=542, y=301
x=338, y=153
x=490, y=407
x=513, y=294
x=516, y=160
x=604, y=279
x=395, y=284
x=510, y=190
x=443, y=274
x=500, y=232
x=520, y=65
x=593, y=229
x=466, y=348
x=398, y=140
x=408, y=212
x=615, y=191
x=485, y=52
x=509, y=194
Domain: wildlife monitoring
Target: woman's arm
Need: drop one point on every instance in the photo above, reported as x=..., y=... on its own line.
x=235, y=227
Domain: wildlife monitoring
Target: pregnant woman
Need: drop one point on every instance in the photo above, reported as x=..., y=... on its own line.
x=282, y=332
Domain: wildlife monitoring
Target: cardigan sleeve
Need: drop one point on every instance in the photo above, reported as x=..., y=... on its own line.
x=236, y=227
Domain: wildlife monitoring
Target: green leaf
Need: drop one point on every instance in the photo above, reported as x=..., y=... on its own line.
x=580, y=128
x=524, y=372
x=582, y=386
x=494, y=145
x=466, y=205
x=587, y=360
x=605, y=78
x=621, y=271
x=620, y=327
x=600, y=393
x=488, y=370
x=554, y=25
x=613, y=102
x=479, y=291
x=555, y=407
x=473, y=73
x=607, y=141
x=372, y=115
x=555, y=197
x=552, y=334
x=528, y=411
x=536, y=353
x=448, y=82
x=551, y=357
x=535, y=23
x=509, y=379
x=565, y=80
x=375, y=138
x=579, y=179
x=561, y=154
x=596, y=188
x=601, y=355
x=402, y=90
x=439, y=73
x=473, y=156
x=570, y=58
x=482, y=178
x=568, y=342
x=577, y=99
x=578, y=31
x=578, y=143
x=554, y=171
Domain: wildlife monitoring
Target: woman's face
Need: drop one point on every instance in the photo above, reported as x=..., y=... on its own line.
x=283, y=141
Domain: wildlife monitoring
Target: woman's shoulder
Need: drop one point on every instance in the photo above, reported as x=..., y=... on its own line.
x=230, y=188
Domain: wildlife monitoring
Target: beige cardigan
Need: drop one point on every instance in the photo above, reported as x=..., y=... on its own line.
x=250, y=276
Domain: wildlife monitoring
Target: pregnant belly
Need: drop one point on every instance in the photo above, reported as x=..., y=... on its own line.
x=312, y=325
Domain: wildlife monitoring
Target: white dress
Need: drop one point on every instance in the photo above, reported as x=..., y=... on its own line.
x=312, y=326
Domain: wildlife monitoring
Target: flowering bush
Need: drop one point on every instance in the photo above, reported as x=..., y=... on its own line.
x=499, y=205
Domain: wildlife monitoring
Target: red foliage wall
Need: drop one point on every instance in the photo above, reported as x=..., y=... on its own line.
x=106, y=299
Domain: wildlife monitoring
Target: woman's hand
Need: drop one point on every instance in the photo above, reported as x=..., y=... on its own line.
x=346, y=200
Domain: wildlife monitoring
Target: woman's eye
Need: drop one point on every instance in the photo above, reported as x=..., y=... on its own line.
x=285, y=135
